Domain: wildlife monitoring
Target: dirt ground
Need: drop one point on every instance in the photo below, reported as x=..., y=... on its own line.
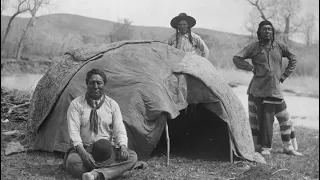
x=183, y=166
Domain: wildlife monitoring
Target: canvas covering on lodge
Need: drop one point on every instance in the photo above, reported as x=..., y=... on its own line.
x=151, y=82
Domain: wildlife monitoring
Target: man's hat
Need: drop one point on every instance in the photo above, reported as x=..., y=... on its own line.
x=183, y=16
x=102, y=152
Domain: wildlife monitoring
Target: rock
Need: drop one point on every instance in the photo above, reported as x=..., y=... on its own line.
x=14, y=147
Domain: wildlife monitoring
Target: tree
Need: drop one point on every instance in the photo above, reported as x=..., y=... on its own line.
x=282, y=13
x=22, y=7
x=309, y=24
x=33, y=7
x=4, y=5
x=121, y=31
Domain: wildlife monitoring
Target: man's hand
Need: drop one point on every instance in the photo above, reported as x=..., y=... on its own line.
x=86, y=157
x=282, y=78
x=253, y=70
x=88, y=160
x=124, y=154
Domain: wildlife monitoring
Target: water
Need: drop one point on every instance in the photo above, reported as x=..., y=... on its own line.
x=304, y=111
x=21, y=82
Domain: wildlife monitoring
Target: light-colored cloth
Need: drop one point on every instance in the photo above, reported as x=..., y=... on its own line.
x=268, y=68
x=185, y=45
x=110, y=123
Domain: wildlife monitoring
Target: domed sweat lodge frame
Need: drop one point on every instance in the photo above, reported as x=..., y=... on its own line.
x=152, y=83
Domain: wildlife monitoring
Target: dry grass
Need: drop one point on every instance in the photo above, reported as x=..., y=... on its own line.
x=48, y=166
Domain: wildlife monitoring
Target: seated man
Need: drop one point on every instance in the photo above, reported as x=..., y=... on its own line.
x=97, y=134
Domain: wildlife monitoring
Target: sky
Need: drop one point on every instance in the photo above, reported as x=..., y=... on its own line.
x=221, y=15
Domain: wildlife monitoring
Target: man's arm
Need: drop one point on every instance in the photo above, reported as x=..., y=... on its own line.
x=73, y=121
x=119, y=129
x=202, y=46
x=239, y=58
x=120, y=132
x=170, y=41
x=242, y=64
x=292, y=62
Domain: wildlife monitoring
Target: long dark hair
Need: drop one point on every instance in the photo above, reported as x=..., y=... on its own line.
x=189, y=35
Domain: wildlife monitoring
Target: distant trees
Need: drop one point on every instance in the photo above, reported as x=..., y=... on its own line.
x=33, y=7
x=22, y=6
x=286, y=17
x=282, y=13
x=4, y=5
x=308, y=30
x=310, y=22
x=122, y=30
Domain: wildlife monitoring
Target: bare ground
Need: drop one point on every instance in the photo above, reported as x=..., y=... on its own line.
x=48, y=166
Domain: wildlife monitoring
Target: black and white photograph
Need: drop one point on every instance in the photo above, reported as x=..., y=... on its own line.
x=160, y=90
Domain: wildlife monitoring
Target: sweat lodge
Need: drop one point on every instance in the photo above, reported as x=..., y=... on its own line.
x=153, y=84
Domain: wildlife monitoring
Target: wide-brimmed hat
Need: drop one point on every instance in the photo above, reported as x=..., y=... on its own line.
x=102, y=152
x=183, y=16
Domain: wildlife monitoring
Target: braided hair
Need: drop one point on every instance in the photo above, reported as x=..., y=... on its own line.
x=261, y=24
x=189, y=35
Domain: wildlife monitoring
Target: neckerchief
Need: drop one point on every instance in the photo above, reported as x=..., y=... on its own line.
x=93, y=113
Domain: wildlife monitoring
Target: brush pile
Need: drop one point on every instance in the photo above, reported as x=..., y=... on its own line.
x=14, y=105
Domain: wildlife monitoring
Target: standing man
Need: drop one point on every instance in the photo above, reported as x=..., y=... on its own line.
x=184, y=39
x=265, y=96
x=97, y=132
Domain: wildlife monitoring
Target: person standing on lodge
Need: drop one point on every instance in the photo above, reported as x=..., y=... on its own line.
x=98, y=135
x=265, y=95
x=184, y=39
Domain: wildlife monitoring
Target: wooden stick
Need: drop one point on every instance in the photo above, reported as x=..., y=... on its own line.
x=16, y=106
x=3, y=103
x=168, y=144
x=230, y=145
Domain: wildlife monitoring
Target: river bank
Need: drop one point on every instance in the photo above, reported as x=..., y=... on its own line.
x=12, y=67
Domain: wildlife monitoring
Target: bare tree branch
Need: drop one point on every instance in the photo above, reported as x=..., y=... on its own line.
x=259, y=8
x=4, y=4
x=21, y=8
x=33, y=8
x=281, y=12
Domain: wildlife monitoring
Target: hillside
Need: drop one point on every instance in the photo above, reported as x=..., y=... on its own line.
x=54, y=34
